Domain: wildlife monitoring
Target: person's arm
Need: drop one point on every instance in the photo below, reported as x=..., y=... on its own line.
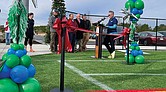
x=50, y=22
x=112, y=27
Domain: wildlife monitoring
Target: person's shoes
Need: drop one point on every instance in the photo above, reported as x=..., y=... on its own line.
x=31, y=50
x=109, y=56
x=112, y=55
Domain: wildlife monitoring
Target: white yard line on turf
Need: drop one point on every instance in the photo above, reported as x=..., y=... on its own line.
x=122, y=74
x=81, y=73
x=111, y=60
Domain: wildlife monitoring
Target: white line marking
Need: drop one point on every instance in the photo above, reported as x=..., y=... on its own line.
x=125, y=51
x=111, y=60
x=121, y=74
x=81, y=73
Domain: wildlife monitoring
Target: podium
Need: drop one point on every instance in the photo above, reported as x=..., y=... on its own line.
x=98, y=45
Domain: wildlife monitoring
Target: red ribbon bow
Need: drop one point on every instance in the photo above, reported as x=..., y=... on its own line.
x=125, y=32
x=58, y=25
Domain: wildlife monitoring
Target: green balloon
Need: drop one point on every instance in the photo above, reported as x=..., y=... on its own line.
x=12, y=61
x=26, y=60
x=7, y=85
x=132, y=47
x=139, y=4
x=129, y=4
x=133, y=42
x=15, y=46
x=4, y=57
x=134, y=21
x=31, y=85
x=21, y=46
x=131, y=58
x=137, y=48
x=139, y=59
x=138, y=16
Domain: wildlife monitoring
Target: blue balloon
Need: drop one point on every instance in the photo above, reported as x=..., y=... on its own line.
x=134, y=52
x=19, y=53
x=31, y=70
x=134, y=0
x=140, y=52
x=19, y=74
x=24, y=51
x=135, y=11
x=11, y=51
x=135, y=44
x=140, y=12
x=134, y=19
x=5, y=73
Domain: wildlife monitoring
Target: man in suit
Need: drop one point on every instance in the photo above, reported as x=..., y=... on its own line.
x=79, y=34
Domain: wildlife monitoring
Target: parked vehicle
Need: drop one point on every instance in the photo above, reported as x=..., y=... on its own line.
x=163, y=33
x=149, y=38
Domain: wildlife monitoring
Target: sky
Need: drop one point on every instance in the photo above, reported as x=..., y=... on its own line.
x=153, y=8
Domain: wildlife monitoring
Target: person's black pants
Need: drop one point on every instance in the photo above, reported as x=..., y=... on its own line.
x=109, y=41
x=72, y=38
x=28, y=40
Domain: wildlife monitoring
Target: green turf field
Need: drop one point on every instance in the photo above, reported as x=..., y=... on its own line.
x=84, y=73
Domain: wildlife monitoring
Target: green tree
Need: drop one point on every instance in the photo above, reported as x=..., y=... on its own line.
x=59, y=5
x=161, y=27
x=144, y=27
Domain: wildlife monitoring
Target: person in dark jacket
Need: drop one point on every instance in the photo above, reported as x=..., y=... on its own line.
x=87, y=26
x=111, y=29
x=79, y=34
x=30, y=32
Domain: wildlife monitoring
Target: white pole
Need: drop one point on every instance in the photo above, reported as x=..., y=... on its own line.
x=26, y=3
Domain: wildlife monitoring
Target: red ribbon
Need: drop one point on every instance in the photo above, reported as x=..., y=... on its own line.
x=58, y=25
x=64, y=23
x=125, y=32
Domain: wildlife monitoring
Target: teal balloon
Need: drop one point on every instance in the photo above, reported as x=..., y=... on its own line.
x=139, y=4
x=137, y=48
x=21, y=46
x=7, y=85
x=4, y=57
x=31, y=85
x=131, y=58
x=139, y=59
x=15, y=46
x=129, y=4
x=12, y=61
x=25, y=61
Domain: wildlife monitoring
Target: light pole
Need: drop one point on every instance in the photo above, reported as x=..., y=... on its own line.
x=26, y=4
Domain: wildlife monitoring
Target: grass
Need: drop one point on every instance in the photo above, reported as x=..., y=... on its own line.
x=48, y=71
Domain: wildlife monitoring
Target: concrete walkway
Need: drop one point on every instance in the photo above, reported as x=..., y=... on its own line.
x=39, y=49
x=44, y=49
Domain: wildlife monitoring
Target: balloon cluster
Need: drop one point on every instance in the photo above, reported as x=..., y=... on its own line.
x=136, y=7
x=16, y=74
x=136, y=55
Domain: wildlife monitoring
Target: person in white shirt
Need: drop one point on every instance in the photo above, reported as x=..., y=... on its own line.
x=7, y=33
